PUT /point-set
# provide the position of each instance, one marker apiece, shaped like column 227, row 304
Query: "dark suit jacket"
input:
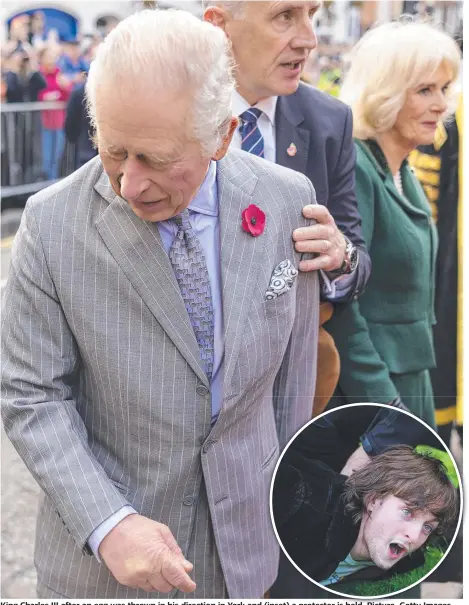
column 333, row 438
column 321, row 129
column 78, row 127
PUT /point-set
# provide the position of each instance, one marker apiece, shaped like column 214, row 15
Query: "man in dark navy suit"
column 299, row 127
column 290, row 123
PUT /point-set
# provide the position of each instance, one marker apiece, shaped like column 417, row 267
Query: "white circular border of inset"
column 461, row 494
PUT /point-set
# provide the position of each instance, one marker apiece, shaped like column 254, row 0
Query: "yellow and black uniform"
column 437, row 167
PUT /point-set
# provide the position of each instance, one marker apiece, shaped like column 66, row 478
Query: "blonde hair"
column 386, row 63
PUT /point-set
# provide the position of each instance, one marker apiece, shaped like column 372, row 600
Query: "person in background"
column 37, row 34
column 18, row 34
column 72, row 64
column 3, row 89
column 439, row 169
column 23, row 83
column 330, row 79
column 58, row 89
column 78, row 128
column 22, row 77
column 400, row 84
column 301, row 128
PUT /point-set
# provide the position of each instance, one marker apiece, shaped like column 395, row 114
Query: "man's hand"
column 356, row 461
column 323, row 239
column 142, row 553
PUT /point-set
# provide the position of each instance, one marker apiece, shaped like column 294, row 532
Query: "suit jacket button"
column 201, row 389
column 208, row 444
column 188, row 500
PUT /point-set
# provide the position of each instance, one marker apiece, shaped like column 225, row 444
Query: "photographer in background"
column 22, row 77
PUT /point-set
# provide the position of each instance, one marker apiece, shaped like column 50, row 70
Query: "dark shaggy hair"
column 418, row 479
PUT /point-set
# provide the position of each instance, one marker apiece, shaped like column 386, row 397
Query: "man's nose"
column 133, row 181
column 306, row 36
column 413, row 531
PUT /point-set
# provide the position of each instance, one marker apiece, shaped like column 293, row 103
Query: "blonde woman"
column 400, row 85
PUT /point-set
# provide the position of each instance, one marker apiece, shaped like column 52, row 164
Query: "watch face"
column 353, row 259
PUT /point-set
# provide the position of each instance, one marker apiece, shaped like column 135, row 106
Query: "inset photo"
column 366, row 501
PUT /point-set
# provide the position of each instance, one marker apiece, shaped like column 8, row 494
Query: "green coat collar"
column 415, row 201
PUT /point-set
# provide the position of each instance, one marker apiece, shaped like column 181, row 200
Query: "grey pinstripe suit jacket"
column 103, row 387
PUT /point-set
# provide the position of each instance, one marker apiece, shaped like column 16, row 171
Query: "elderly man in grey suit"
column 159, row 341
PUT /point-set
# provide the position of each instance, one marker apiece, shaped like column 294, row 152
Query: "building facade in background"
column 339, row 22
column 345, row 21
column 72, row 18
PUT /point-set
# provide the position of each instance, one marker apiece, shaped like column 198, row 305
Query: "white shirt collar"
column 267, row 106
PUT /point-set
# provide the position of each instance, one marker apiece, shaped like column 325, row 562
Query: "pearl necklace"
column 398, row 182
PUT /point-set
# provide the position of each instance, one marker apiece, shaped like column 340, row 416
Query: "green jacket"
column 389, row 330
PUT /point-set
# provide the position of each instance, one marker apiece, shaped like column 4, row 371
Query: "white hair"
column 170, row 50
column 386, row 63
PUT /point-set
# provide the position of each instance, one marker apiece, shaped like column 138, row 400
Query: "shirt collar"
column 205, row 200
column 267, row 106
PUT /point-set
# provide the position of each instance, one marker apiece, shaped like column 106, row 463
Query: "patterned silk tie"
column 188, row 261
column 252, row 140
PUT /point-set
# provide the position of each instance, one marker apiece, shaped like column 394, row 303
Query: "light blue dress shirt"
column 203, row 213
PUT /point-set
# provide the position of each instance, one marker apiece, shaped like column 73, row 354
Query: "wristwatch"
column 350, row 259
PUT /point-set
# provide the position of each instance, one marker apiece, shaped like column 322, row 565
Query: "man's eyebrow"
column 110, row 147
column 150, row 156
column 159, row 158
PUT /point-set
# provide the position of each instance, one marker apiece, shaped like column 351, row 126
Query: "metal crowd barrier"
column 21, row 149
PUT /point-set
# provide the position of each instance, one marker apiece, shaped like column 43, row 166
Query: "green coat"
column 388, row 331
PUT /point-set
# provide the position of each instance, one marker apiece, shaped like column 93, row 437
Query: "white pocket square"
column 282, row 279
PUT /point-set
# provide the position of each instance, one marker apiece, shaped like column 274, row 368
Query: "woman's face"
column 49, row 59
column 423, row 108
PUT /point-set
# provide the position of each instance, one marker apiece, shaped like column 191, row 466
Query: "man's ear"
column 221, row 151
column 216, row 16
column 370, row 503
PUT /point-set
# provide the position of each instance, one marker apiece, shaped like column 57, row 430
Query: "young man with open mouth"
column 367, row 526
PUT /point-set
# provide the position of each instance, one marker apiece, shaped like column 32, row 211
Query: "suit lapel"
column 137, row 248
column 241, row 254
column 402, row 200
column 373, row 152
column 288, row 117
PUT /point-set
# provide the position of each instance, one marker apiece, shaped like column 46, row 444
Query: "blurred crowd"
column 40, row 66
column 326, row 66
column 45, row 68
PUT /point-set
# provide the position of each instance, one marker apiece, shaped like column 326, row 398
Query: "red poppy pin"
column 253, row 220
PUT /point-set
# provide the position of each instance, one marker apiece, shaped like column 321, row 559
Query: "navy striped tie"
column 252, row 140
